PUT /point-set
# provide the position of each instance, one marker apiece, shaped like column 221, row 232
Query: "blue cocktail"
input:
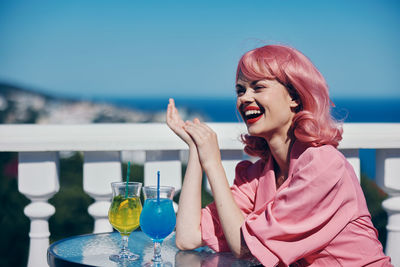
column 157, row 219
column 155, row 212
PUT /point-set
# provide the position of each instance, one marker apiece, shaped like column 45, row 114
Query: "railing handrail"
column 38, row 148
column 135, row 136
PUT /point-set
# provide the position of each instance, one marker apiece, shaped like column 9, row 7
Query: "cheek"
column 280, row 107
column 286, row 114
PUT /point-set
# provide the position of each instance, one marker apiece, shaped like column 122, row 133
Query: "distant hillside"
column 20, row 105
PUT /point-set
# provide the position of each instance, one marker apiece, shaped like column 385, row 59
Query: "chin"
column 253, row 131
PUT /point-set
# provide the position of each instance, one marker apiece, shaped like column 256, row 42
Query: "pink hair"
column 312, row 123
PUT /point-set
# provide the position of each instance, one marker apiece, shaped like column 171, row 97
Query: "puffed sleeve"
column 243, row 191
column 307, row 214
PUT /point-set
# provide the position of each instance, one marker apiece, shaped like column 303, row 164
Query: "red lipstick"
column 252, row 117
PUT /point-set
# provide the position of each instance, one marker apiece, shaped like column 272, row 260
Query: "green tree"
column 374, row 197
column 14, row 225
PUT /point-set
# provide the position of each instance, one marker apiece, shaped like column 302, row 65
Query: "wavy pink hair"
column 312, row 123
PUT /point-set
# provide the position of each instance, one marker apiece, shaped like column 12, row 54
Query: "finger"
column 207, row 133
column 190, row 128
column 169, row 114
column 171, row 105
column 196, row 126
column 208, row 128
column 197, row 132
column 202, row 127
column 169, row 111
column 172, row 112
column 175, row 111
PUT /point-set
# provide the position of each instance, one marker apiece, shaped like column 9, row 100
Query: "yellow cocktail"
column 124, row 214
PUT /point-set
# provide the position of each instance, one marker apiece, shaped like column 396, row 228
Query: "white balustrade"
column 161, row 150
column 100, row 168
column 38, row 181
column 169, row 165
column 230, row 158
column 352, row 156
column 387, row 175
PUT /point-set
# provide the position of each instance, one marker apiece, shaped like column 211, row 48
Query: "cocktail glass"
column 124, row 214
column 157, row 219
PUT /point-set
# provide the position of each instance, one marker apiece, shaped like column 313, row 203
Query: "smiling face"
column 266, row 107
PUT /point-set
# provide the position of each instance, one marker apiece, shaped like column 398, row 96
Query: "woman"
column 301, row 203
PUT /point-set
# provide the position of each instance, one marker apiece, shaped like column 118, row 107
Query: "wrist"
column 192, row 147
column 212, row 166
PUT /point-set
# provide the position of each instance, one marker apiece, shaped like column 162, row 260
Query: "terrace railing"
column 104, row 145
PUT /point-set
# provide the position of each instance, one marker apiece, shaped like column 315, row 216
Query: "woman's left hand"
column 206, row 142
column 230, row 216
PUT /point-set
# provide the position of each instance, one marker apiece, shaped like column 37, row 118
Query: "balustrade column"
column 353, row 157
column 100, row 168
column 229, row 158
column 169, row 164
column 387, row 175
column 38, row 180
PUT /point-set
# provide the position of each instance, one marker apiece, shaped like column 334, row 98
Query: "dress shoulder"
column 325, row 151
column 247, row 170
column 321, row 157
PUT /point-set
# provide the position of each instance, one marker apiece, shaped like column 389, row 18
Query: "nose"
column 246, row 97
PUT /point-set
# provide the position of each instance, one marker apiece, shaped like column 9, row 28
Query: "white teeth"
column 252, row 112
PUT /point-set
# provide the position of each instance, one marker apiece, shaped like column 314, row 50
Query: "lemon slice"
column 123, row 204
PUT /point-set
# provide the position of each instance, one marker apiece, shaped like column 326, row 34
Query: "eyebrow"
column 254, row 82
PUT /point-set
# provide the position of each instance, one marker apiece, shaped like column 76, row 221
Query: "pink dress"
column 317, row 217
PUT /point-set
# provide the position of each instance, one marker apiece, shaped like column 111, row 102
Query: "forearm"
column 188, row 232
column 230, row 216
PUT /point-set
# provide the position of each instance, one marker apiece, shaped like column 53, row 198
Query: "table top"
column 95, row 249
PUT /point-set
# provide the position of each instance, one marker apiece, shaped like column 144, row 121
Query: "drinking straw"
column 158, row 187
column 127, row 178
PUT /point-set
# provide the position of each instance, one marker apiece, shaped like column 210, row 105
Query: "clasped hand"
column 195, row 134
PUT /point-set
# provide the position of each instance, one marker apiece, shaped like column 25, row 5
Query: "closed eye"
column 240, row 90
column 258, row 85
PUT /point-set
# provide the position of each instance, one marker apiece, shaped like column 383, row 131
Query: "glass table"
column 94, row 250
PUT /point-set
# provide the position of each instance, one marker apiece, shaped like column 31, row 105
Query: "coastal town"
column 19, row 105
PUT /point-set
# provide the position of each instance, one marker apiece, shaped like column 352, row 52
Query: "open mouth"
column 252, row 114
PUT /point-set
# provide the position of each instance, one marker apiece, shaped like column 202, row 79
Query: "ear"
column 294, row 99
column 294, row 103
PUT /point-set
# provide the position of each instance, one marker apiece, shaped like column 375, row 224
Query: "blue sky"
column 191, row 48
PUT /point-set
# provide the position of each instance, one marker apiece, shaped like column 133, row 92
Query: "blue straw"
column 158, row 187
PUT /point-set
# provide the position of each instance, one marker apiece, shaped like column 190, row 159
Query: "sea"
column 378, row 110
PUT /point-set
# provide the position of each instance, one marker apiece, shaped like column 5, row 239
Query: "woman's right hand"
column 188, row 231
column 175, row 123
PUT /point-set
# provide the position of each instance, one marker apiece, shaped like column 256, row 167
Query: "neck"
column 280, row 149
